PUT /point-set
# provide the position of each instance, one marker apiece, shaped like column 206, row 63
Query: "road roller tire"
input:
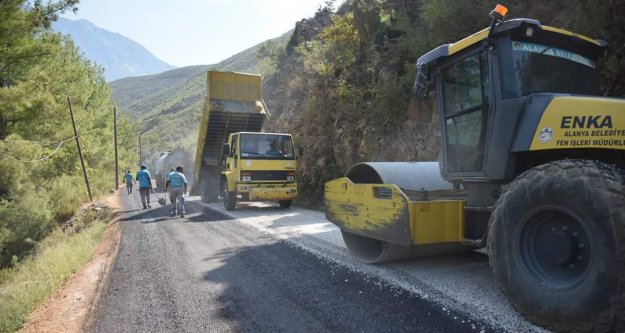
column 285, row 203
column 373, row 251
column 364, row 249
column 230, row 200
column 557, row 246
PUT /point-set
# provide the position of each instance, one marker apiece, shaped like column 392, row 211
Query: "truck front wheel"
column 557, row 245
column 230, row 199
column 285, row 203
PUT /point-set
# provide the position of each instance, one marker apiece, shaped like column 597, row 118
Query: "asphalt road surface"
column 205, row 272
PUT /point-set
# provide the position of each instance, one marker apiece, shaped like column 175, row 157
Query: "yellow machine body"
column 405, row 207
column 260, row 190
column 532, row 167
column 569, row 123
column 255, row 177
column 234, row 109
column 385, row 212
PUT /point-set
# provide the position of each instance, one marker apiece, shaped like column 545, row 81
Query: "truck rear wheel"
column 557, row 245
column 285, row 203
column 208, row 191
column 230, row 199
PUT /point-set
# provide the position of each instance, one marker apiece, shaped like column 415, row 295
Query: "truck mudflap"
column 272, row 193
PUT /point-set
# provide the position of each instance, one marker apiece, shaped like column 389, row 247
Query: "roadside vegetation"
column 44, row 238
column 41, row 181
column 51, row 263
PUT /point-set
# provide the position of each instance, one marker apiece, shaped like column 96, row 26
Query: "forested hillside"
column 168, row 106
column 41, row 182
column 343, row 84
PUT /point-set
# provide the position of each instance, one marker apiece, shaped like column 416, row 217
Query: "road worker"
column 129, row 180
column 177, row 185
column 145, row 185
column 171, row 170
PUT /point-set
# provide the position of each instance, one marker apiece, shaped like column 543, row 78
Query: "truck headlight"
column 290, row 177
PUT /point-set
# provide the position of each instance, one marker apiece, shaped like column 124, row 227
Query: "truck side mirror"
column 226, row 150
column 421, row 81
column 300, row 151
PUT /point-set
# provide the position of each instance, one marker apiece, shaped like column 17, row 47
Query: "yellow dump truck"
column 532, row 167
column 234, row 159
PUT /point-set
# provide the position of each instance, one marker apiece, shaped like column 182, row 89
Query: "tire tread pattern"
column 594, row 174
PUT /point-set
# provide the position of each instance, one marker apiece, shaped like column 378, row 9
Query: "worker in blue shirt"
column 129, row 180
column 177, row 185
column 145, row 185
column 172, row 170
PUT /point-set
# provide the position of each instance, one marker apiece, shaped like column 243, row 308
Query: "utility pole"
column 115, row 139
column 82, row 162
column 140, row 153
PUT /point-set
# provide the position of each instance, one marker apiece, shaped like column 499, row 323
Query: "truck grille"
column 269, row 175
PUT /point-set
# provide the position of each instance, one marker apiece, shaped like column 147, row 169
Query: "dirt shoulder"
column 69, row 308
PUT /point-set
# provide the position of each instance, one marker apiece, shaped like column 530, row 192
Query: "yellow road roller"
column 531, row 166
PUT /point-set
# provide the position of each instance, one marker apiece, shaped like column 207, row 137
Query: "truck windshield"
column 543, row 69
column 266, row 146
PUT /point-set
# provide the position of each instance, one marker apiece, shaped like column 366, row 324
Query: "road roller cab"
column 531, row 167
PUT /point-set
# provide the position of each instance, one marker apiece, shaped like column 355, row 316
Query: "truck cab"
column 258, row 167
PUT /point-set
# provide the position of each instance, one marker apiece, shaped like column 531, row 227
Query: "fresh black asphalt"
column 204, row 273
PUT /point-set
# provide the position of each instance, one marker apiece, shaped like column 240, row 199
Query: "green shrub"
column 64, row 199
column 36, row 278
column 23, row 222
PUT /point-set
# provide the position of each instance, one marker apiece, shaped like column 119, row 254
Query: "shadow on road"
column 195, row 212
column 144, row 214
column 207, row 215
column 160, row 219
column 128, row 211
column 277, row 287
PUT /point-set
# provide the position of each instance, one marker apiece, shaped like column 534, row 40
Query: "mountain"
column 119, row 56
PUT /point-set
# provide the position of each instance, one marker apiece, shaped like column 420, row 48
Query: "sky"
column 196, row 32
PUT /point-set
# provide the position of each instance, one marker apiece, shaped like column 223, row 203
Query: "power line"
column 60, row 144
column 82, row 142
column 38, row 142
